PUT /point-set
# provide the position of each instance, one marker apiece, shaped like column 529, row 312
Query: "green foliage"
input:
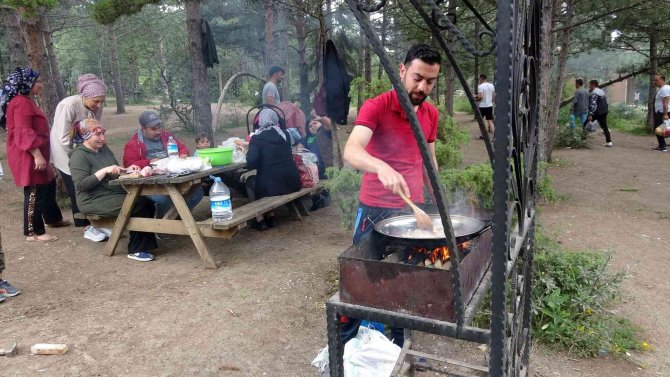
column 451, row 139
column 572, row 292
column 545, row 186
column 462, row 105
column 362, row 90
column 475, row 182
column 627, row 119
column 344, row 185
column 570, row 137
column 572, row 295
column 107, row 11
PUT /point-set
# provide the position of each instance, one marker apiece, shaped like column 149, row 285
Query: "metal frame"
column 514, row 159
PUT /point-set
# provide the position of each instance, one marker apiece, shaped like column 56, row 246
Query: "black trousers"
column 142, row 241
column 39, row 207
column 69, row 187
column 658, row 120
column 602, row 121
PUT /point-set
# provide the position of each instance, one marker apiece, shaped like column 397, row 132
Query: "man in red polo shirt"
column 383, row 146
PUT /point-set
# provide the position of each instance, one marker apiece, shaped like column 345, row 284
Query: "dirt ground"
column 262, row 312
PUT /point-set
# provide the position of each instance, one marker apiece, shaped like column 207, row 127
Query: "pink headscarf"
column 89, row 86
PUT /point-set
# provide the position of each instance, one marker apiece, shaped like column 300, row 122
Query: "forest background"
column 150, row 51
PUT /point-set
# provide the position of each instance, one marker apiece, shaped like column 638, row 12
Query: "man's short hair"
column 594, row 82
column 662, row 77
column 579, row 82
column 426, row 53
column 482, row 76
column 276, row 69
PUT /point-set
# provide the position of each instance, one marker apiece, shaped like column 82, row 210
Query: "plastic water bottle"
column 219, row 199
column 172, row 149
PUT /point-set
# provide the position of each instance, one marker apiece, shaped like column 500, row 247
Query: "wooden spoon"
column 422, row 219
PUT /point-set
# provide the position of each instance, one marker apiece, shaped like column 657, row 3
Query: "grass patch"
column 572, row 296
column 568, row 137
column 462, row 105
column 627, row 119
column 629, row 189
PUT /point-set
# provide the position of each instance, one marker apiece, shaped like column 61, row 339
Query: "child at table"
column 201, row 142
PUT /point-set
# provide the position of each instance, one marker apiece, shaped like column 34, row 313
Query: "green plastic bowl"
column 217, row 156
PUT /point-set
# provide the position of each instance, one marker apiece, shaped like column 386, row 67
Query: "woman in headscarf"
column 28, row 153
column 93, row 165
column 87, row 103
column 270, row 154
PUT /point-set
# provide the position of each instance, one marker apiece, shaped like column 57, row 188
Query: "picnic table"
column 179, row 189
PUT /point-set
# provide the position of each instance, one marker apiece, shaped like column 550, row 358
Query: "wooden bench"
column 208, row 228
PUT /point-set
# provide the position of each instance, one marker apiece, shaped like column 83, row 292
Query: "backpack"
column 601, row 103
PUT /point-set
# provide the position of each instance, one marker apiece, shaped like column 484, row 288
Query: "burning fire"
column 438, row 256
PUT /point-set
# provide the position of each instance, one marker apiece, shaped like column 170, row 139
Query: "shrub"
column 451, row 138
column 568, row 137
column 474, row 181
column 627, row 119
column 462, row 105
column 545, row 185
column 572, row 292
column 344, row 185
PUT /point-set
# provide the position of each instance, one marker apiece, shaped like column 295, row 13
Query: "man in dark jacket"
column 598, row 109
column 149, row 144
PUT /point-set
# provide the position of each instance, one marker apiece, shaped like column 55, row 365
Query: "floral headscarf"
column 20, row 81
column 268, row 120
column 88, row 127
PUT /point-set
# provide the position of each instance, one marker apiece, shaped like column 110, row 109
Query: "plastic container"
column 172, row 148
column 217, row 156
column 219, row 199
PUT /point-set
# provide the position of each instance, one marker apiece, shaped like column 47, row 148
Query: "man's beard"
column 415, row 101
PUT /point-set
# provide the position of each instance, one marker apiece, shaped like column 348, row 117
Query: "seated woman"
column 270, row 154
column 93, row 165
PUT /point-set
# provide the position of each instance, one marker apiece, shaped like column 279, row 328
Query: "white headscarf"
column 268, row 120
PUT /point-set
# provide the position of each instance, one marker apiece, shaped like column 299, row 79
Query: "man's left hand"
column 183, row 155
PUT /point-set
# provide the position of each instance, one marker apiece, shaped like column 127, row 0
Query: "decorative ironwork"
column 514, row 160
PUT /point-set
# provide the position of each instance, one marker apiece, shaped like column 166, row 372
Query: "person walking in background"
column 270, row 93
column 6, row 289
column 486, row 95
column 87, row 103
column 28, row 152
column 636, row 98
column 661, row 104
column 580, row 104
column 598, row 109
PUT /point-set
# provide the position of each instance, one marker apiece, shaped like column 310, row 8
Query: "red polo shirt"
column 393, row 142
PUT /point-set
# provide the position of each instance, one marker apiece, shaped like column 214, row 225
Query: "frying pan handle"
column 481, row 231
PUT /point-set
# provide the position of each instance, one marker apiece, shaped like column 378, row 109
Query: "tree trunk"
column 282, row 43
column 303, row 67
column 653, row 69
column 385, row 25
column 53, row 59
column 39, row 60
column 202, row 109
column 361, row 64
column 449, row 73
column 269, row 51
column 546, row 58
column 555, row 98
column 116, row 72
column 16, row 42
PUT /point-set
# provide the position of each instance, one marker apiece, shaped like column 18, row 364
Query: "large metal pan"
column 404, row 230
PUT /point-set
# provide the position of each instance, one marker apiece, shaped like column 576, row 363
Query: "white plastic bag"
column 369, row 354
column 592, row 126
column 239, row 155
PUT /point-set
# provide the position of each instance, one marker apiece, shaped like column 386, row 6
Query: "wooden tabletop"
column 164, row 179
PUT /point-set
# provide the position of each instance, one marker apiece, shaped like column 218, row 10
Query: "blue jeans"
column 164, row 203
column 366, row 218
column 582, row 117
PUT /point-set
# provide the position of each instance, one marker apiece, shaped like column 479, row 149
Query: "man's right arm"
column 356, row 156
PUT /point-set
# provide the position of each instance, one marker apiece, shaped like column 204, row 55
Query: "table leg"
column 191, row 226
column 122, row 219
column 172, row 212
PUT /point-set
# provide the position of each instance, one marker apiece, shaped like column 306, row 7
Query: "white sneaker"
column 106, row 231
column 609, row 144
column 90, row 233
